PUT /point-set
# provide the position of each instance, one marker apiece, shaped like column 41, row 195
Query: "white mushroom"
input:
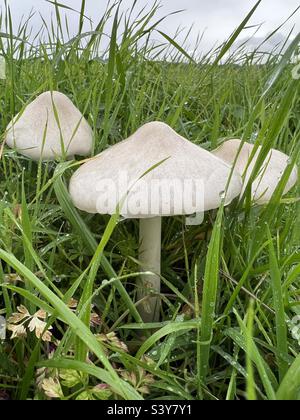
column 49, row 127
column 269, row 174
column 164, row 175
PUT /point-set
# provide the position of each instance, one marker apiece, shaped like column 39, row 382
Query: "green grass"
column 231, row 286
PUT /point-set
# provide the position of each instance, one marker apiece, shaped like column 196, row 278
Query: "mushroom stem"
column 149, row 256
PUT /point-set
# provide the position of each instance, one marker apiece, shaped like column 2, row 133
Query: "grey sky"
column 218, row 18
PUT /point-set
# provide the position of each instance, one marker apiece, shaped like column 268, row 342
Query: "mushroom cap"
column 186, row 179
column 26, row 132
column 269, row 175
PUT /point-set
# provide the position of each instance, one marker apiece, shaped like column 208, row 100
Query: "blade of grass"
column 113, row 48
column 278, row 302
column 172, row 327
column 267, row 377
column 177, row 46
column 251, row 393
column 235, row 35
column 81, row 348
column 290, row 386
column 210, row 287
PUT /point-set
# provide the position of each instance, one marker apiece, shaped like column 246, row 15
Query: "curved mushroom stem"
column 149, row 256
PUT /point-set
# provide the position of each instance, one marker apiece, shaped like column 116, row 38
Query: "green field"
column 230, row 319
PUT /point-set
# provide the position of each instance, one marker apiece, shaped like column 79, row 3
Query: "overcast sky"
column 217, row 18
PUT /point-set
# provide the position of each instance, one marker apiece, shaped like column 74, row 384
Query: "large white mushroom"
column 50, row 127
column 269, row 175
column 164, row 175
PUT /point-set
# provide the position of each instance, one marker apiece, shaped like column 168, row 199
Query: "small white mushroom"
column 183, row 179
column 50, row 127
column 269, row 174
